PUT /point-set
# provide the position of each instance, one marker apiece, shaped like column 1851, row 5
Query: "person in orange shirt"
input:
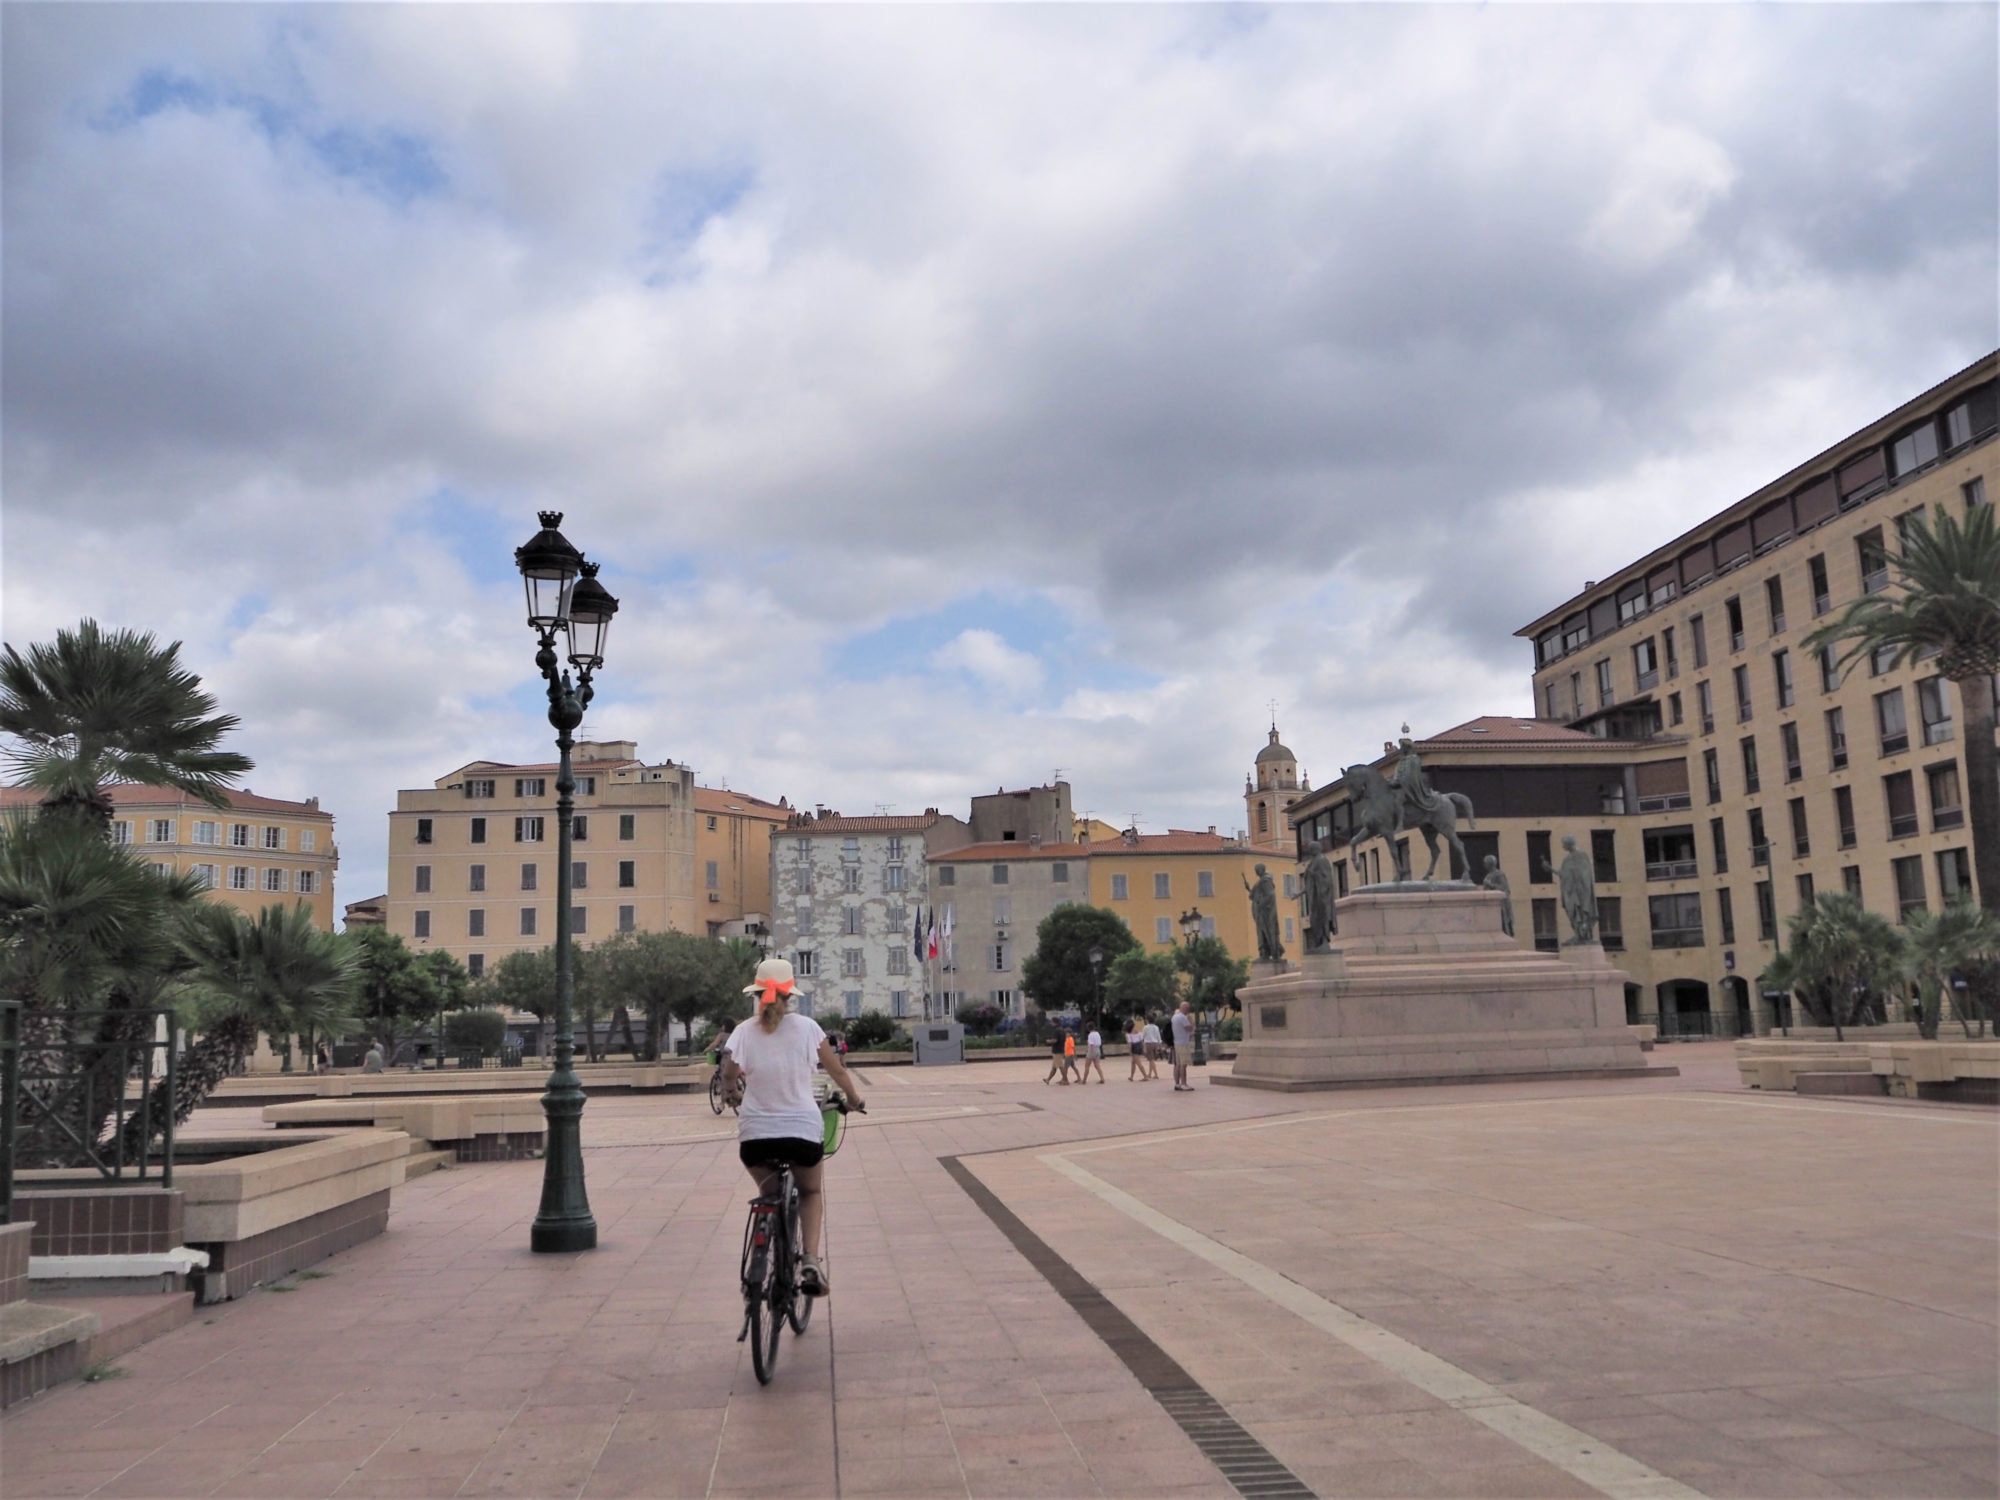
column 1069, row 1056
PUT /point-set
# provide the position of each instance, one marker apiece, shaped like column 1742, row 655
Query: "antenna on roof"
column 1055, row 776
column 1134, row 823
column 882, row 809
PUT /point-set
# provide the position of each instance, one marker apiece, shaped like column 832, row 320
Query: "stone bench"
column 473, row 1128
column 1778, row 1073
column 1953, row 1071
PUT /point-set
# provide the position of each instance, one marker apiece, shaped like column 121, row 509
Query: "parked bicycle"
column 772, row 1292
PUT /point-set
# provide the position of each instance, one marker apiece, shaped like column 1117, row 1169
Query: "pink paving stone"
column 1574, row 1244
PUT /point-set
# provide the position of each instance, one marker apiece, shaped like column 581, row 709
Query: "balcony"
column 1840, row 756
column 1895, row 744
column 1801, row 848
column 1874, row 583
column 1937, row 731
column 1673, row 869
column 1947, row 817
column 1903, row 826
column 1708, row 723
column 1677, row 937
column 1821, row 604
column 1649, row 680
column 1670, row 802
column 1847, row 836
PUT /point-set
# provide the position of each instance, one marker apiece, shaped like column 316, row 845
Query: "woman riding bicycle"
column 768, row 1065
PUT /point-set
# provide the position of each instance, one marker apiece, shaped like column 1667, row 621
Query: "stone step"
column 124, row 1323
column 421, row 1161
column 1866, row 1085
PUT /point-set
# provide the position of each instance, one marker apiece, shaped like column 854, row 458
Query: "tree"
column 1838, row 956
column 1943, row 947
column 87, row 946
column 483, row 1028
column 1213, row 976
column 871, row 1030
column 981, row 1017
column 524, row 980
column 1944, row 599
column 275, row 973
column 1058, row 975
column 674, row 976
column 396, row 986
column 1139, row 983
column 102, row 706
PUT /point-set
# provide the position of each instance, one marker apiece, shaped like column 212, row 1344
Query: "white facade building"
column 845, row 893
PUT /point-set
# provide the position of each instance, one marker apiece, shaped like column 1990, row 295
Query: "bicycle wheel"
column 767, row 1320
column 798, row 1306
column 715, row 1091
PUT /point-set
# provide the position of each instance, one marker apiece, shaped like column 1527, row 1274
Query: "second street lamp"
column 564, row 600
column 1190, row 930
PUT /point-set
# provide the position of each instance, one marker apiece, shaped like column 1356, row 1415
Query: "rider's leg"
column 812, row 1206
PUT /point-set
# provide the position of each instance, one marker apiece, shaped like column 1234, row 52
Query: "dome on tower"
column 1274, row 751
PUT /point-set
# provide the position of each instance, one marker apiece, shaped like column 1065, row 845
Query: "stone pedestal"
column 1423, row 987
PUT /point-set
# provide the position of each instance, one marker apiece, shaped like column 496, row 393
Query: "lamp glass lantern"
column 549, row 566
column 590, row 610
column 1191, row 923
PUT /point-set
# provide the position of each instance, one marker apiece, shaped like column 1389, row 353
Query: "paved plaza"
column 1660, row 1288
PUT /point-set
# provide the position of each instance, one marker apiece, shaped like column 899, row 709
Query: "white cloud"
column 1298, row 353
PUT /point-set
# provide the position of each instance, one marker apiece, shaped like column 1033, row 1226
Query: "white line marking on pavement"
column 1575, row 1452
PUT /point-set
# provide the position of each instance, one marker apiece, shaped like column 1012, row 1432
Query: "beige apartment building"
column 259, row 851
column 472, row 857
column 1719, row 773
column 732, row 840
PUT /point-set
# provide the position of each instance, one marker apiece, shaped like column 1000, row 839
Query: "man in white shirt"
column 1183, row 1023
column 1150, row 1039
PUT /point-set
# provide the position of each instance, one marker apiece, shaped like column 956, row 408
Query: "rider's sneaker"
column 812, row 1277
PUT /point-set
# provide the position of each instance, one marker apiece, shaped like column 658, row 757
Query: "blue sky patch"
column 1028, row 622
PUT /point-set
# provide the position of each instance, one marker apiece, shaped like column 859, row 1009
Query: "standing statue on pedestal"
column 1496, row 881
column 1386, row 805
column 1577, row 879
column 1264, row 911
column 1319, row 886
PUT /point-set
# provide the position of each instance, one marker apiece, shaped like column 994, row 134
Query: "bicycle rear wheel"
column 715, row 1091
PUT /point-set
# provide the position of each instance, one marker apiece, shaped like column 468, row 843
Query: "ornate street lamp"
column 1096, row 957
column 564, row 599
column 1190, row 930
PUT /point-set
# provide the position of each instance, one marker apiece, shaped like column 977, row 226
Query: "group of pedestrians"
column 1144, row 1042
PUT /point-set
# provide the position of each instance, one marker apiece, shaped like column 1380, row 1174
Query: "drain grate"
column 1247, row 1464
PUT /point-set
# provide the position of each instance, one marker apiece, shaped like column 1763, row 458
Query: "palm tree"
column 102, row 706
column 1945, row 947
column 1946, row 601
column 1839, row 954
column 276, row 973
column 85, row 944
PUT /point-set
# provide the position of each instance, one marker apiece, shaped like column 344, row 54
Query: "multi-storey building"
column 471, row 858
column 845, row 895
column 258, row 851
column 732, row 840
column 369, row 911
column 1152, row 880
column 997, row 893
column 1737, row 774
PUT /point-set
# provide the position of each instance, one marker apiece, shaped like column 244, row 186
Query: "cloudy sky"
column 951, row 395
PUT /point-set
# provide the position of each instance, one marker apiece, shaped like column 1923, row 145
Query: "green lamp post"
column 564, row 600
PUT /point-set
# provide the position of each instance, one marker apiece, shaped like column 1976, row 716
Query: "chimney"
column 1211, row 830
column 1034, row 841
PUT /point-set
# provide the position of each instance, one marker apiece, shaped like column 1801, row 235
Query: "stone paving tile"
column 1586, row 1254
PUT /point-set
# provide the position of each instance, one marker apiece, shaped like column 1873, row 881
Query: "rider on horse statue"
column 1415, row 800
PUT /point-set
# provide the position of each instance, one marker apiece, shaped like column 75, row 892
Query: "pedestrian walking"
column 1058, row 1062
column 1183, row 1024
column 1093, row 1056
column 1135, row 1048
column 1151, row 1039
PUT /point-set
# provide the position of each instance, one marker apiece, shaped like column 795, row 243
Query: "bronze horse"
column 1379, row 814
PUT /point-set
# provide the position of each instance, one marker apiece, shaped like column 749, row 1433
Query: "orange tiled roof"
column 1176, row 841
column 1002, row 850
column 832, row 823
column 125, row 795
column 716, row 799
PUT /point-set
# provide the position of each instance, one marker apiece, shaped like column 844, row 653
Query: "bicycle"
column 716, row 1096
column 772, row 1295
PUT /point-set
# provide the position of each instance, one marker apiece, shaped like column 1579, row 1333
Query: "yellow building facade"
column 733, row 856
column 257, row 852
column 1152, row 880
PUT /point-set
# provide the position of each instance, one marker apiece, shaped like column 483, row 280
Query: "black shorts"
column 781, row 1150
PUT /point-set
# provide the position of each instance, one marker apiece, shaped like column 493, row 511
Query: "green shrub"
column 1229, row 1029
column 981, row 1018
column 871, row 1031
column 484, row 1029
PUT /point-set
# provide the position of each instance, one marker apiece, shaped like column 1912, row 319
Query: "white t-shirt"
column 1094, row 1040
column 1151, row 1034
column 778, row 1067
column 1183, row 1029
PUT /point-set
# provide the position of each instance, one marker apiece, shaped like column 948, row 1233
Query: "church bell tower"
column 1269, row 791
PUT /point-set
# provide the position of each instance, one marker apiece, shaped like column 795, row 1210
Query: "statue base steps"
column 1424, row 987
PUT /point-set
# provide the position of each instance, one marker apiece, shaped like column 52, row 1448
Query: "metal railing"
column 1677, row 937
column 1696, row 1025
column 85, row 1089
column 1672, row 869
